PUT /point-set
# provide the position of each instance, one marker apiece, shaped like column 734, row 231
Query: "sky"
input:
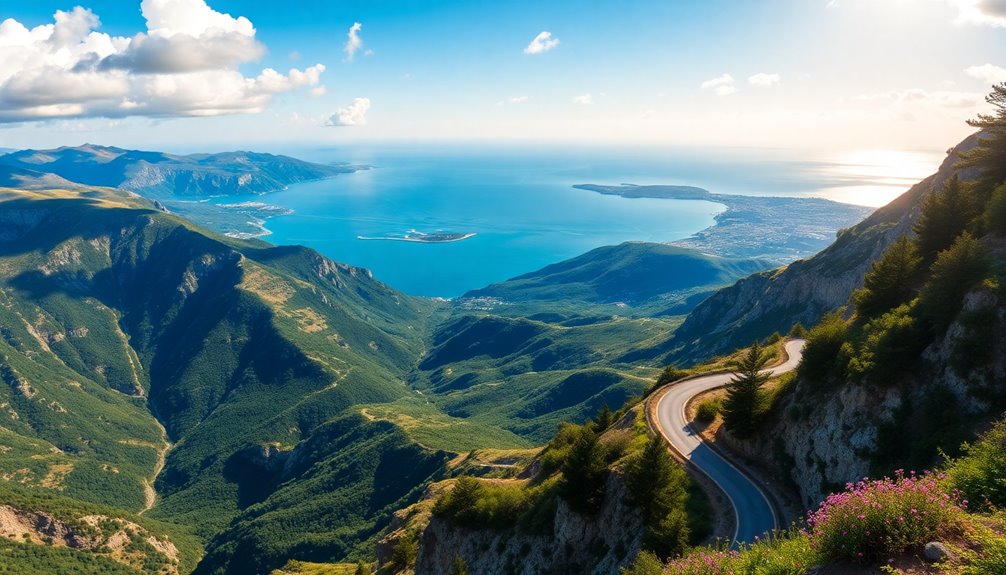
column 833, row 75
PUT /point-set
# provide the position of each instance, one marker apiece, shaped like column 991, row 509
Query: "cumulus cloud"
column 354, row 114
column 353, row 41
column 184, row 64
column 542, row 43
column 764, row 80
column 982, row 12
column 583, row 100
column 987, row 73
column 721, row 85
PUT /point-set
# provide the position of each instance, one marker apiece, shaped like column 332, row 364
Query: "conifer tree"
column 890, row 281
column 584, row 473
column 944, row 215
column 657, row 485
column 459, row 567
column 990, row 154
column 603, row 420
column 740, row 408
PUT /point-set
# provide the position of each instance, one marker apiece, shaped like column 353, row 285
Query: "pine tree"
column 955, row 271
column 657, row 485
column 990, row 154
column 603, row 420
column 944, row 215
column 740, row 408
column 890, row 280
column 584, row 473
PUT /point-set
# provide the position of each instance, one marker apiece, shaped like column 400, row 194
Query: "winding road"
column 754, row 515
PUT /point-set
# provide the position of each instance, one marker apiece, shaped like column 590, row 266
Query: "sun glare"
column 875, row 177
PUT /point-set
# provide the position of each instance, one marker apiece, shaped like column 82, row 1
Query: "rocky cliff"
column 598, row 544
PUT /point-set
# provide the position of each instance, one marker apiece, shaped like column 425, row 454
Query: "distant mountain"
column 803, row 291
column 163, row 176
column 631, row 273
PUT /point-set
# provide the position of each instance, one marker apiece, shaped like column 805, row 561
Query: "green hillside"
column 632, row 273
column 249, row 355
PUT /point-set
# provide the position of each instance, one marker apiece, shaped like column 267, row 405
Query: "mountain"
column 632, row 273
column 803, row 291
column 11, row 177
column 163, row 176
column 134, row 340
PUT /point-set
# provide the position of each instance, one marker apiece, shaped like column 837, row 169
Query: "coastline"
column 419, row 240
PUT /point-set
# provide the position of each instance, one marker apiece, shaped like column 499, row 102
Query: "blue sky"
column 828, row 74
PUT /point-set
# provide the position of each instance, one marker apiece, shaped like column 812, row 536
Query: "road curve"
column 755, row 515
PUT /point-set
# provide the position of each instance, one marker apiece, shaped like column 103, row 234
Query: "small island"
column 437, row 237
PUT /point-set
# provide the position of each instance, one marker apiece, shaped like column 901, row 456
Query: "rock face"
column 804, row 291
column 576, row 544
column 825, row 438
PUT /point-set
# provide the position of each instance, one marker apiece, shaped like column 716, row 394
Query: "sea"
column 521, row 206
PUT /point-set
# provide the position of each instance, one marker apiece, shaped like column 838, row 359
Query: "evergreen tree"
column 944, row 215
column 990, row 154
column 603, row 420
column 740, row 408
column 995, row 212
column 658, row 486
column 459, row 504
column 889, row 282
column 459, row 567
column 584, row 473
column 955, row 271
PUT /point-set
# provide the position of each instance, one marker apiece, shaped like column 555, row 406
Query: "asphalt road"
column 754, row 514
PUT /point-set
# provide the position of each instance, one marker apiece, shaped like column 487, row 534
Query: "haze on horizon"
column 827, row 75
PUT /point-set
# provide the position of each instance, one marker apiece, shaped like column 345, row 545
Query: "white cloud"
column 353, row 41
column 354, row 114
column 721, row 85
column 987, row 73
column 184, row 64
column 764, row 80
column 542, row 43
column 318, row 91
column 583, row 100
column 983, row 12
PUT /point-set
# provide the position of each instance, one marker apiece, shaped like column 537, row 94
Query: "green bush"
column 707, row 410
column 890, row 345
column 822, row 357
column 980, row 474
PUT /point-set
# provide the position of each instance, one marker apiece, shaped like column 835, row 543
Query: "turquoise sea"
column 520, row 203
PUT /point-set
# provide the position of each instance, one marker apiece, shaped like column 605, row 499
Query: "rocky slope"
column 596, row 545
column 803, row 291
column 821, row 439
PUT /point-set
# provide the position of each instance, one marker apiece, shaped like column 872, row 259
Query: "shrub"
column 980, row 474
column 891, row 345
column 787, row 553
column 989, row 558
column 822, row 357
column 707, row 410
column 645, row 563
column 872, row 520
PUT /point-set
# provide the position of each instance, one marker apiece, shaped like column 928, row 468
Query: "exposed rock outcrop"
column 597, row 544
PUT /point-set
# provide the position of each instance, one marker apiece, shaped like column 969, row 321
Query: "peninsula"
column 438, row 237
column 776, row 229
